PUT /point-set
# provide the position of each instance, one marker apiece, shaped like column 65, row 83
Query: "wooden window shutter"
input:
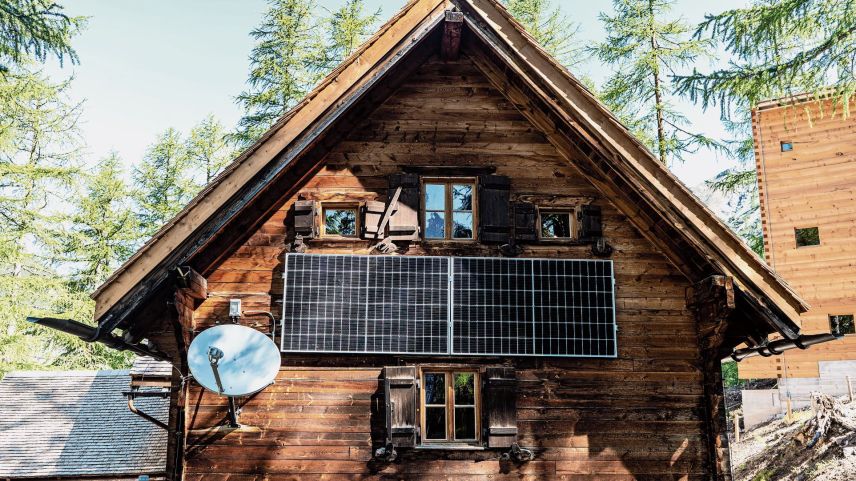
column 404, row 221
column 590, row 223
column 304, row 219
column 525, row 221
column 494, row 220
column 402, row 398
column 500, row 401
column 372, row 213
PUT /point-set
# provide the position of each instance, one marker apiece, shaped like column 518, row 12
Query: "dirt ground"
column 778, row 451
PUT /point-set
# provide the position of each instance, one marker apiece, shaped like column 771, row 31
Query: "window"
column 842, row 325
column 339, row 221
column 787, row 146
column 556, row 224
column 810, row 236
column 448, row 209
column 450, row 406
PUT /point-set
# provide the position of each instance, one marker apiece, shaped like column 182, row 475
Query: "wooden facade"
column 811, row 185
column 456, row 90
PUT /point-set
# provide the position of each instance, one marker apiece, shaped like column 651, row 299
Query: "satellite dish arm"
column 214, row 356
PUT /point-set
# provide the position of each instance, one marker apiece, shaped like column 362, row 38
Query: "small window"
column 449, row 209
column 450, row 407
column 842, row 325
column 787, row 146
column 556, row 224
column 809, row 236
column 339, row 221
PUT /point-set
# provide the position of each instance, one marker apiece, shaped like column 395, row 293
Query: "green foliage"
column 207, row 149
column 347, row 27
column 103, row 229
column 645, row 49
column 163, row 182
column 34, row 29
column 730, row 376
column 550, row 28
column 778, row 48
column 284, row 66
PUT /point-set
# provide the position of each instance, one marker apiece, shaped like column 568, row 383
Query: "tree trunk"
column 658, row 94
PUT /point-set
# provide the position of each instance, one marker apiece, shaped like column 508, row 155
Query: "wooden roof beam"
column 450, row 44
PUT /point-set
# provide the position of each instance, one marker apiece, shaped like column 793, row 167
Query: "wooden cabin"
column 541, row 299
column 805, row 153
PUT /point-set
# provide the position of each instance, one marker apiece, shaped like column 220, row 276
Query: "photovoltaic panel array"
column 366, row 304
column 533, row 307
column 444, row 305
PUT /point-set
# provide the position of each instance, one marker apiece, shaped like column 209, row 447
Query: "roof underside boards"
column 665, row 211
column 63, row 424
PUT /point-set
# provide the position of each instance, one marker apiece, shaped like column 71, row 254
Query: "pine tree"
column 103, row 229
column 550, row 28
column 284, row 66
column 207, row 149
column 34, row 29
column 778, row 48
column 347, row 28
column 646, row 49
column 163, row 182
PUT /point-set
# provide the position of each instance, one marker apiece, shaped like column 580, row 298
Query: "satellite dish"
column 233, row 360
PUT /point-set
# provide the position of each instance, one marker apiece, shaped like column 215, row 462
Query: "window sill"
column 451, row 447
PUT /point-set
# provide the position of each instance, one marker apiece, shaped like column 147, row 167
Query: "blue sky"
column 149, row 65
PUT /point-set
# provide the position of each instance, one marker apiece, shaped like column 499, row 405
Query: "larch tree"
column 33, row 30
column 283, row 66
column 646, row 49
column 347, row 28
column 550, row 28
column 163, row 182
column 207, row 149
column 778, row 48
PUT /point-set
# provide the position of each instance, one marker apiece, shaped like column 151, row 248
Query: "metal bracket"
column 518, row 454
column 386, row 453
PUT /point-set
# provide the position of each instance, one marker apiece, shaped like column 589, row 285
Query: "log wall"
column 814, row 185
column 640, row 416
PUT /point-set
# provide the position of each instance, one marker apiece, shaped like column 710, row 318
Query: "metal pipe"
column 93, row 334
column 779, row 346
column 269, row 315
column 148, row 417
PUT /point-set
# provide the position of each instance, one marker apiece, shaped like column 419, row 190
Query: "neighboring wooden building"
column 451, row 133
column 806, row 159
column 75, row 426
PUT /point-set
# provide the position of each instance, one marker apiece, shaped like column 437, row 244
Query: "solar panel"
column 444, row 305
column 533, row 307
column 366, row 304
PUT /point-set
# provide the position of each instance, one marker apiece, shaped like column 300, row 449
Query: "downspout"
column 131, row 395
column 94, row 334
column 779, row 346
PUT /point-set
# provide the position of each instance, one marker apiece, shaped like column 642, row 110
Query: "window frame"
column 830, row 316
column 796, row 237
column 572, row 226
column 448, row 208
column 322, row 221
column 450, row 442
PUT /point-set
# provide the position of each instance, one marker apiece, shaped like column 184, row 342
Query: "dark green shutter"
column 525, row 221
column 404, row 221
column 304, row 219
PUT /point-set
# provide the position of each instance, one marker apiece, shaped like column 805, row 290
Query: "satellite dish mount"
column 232, row 360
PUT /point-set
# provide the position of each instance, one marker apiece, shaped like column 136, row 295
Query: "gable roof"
column 620, row 165
column 77, row 423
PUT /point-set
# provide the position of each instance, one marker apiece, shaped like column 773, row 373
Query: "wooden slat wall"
column 636, row 417
column 814, row 185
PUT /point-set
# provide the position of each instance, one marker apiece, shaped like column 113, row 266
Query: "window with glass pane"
column 340, row 221
column 842, row 325
column 449, row 210
column 556, row 224
column 450, row 407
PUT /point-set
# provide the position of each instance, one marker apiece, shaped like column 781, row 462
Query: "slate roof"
column 146, row 367
column 76, row 423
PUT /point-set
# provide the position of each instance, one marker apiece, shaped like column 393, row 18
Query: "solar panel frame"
column 544, row 328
